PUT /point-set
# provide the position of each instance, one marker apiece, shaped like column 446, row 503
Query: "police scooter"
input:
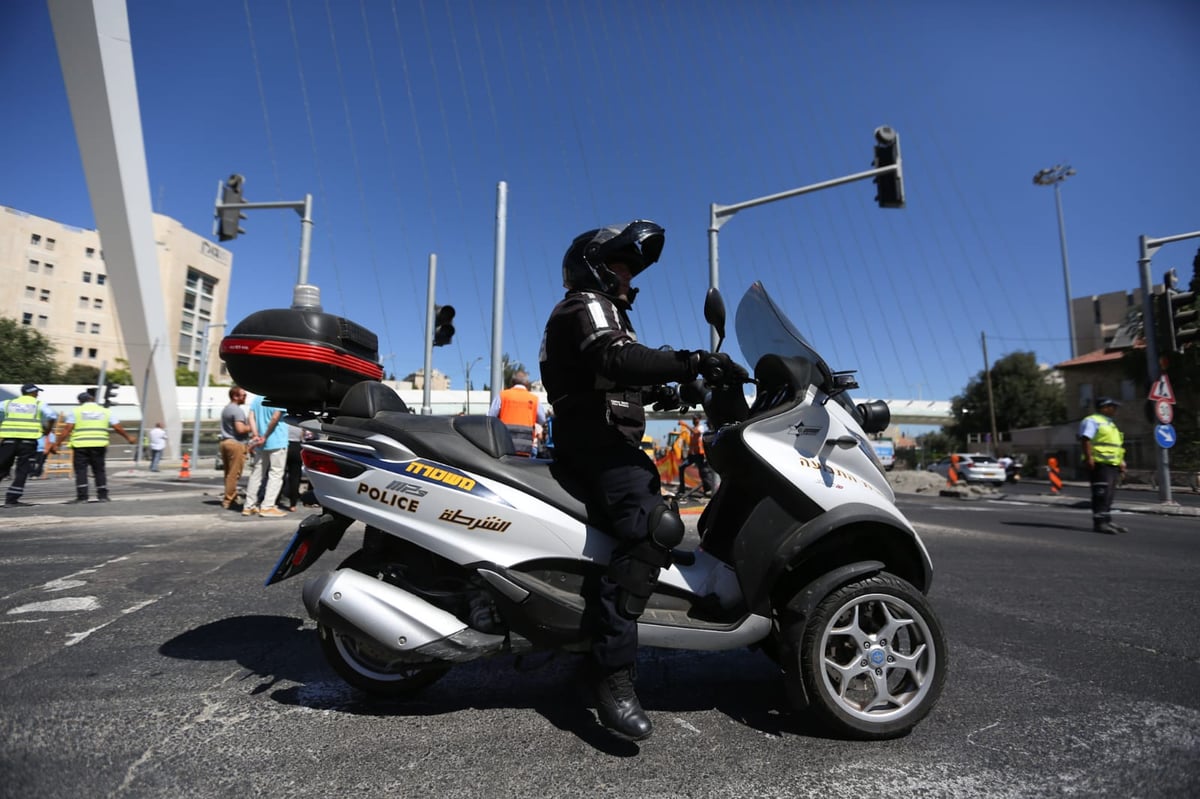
column 468, row 551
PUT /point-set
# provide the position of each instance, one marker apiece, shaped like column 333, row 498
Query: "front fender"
column 773, row 546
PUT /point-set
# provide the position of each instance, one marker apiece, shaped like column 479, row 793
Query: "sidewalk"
column 1124, row 501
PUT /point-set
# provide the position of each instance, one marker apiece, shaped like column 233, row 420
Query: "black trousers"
column 701, row 464
column 90, row 458
column 1103, row 478
column 623, row 489
column 291, row 475
column 23, row 453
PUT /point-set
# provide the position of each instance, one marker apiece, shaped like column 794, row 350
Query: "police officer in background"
column 521, row 413
column 597, row 377
column 1104, row 453
column 87, row 433
column 26, row 420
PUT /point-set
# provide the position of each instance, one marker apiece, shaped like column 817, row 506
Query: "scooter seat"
column 479, row 444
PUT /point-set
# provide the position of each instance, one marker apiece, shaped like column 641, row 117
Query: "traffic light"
column 110, row 393
column 1177, row 315
column 889, row 187
column 231, row 218
column 443, row 325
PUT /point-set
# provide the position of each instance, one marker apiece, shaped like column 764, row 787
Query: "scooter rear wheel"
column 366, row 665
column 872, row 658
column 372, row 669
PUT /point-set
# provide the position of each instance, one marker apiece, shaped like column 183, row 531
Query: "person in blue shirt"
column 268, row 432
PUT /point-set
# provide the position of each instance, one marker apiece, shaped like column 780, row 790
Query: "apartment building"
column 56, row 282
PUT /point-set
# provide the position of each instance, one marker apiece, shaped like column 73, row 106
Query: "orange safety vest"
column 518, row 406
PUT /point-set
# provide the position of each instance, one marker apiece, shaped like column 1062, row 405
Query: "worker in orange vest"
column 520, row 411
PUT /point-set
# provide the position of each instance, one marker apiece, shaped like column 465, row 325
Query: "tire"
column 369, row 667
column 872, row 658
column 372, row 669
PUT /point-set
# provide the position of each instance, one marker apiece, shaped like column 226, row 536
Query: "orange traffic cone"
column 185, row 470
column 952, row 475
column 1055, row 477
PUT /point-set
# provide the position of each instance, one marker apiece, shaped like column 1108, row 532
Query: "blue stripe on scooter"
column 427, row 471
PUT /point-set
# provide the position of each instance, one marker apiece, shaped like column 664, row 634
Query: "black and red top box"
column 300, row 358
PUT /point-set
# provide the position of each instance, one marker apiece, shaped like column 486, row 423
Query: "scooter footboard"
column 372, row 610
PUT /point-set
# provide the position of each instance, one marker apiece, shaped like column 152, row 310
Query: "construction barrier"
column 952, row 475
column 1054, row 474
column 185, row 469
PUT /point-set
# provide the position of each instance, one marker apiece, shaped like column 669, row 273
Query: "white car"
column 973, row 467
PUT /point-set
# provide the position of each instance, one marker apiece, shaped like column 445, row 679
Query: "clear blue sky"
column 401, row 118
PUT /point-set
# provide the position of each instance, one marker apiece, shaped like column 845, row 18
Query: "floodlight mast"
column 890, row 195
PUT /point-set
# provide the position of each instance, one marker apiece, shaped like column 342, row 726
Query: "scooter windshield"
column 763, row 329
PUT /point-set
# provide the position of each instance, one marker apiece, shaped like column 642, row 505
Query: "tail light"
column 325, row 463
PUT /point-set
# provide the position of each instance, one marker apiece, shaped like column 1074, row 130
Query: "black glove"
column 718, row 368
column 665, row 398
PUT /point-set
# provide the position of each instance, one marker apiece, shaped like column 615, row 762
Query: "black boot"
column 617, row 704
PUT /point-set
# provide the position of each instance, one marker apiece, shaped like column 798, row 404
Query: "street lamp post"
column 1053, row 177
column 472, row 363
column 201, row 384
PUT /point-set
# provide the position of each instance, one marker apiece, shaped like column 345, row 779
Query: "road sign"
column 1164, row 411
column 1164, row 434
column 1161, row 390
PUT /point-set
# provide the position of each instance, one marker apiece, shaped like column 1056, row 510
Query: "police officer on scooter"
column 597, row 377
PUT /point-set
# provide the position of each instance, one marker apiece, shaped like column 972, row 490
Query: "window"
column 27, row 318
column 43, row 321
column 1085, row 395
column 87, row 277
column 81, row 327
column 34, row 265
column 48, row 269
column 49, row 243
column 78, row 352
column 95, row 328
column 30, row 292
column 90, row 252
column 83, row 302
column 35, row 240
column 100, row 279
column 92, row 353
column 98, row 303
column 45, row 295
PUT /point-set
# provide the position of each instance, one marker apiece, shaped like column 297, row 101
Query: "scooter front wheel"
column 872, row 658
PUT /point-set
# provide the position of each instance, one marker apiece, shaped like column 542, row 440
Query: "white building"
column 55, row 281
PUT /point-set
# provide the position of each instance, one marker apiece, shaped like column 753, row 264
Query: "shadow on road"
column 741, row 684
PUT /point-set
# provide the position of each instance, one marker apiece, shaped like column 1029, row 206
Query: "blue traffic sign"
column 1164, row 434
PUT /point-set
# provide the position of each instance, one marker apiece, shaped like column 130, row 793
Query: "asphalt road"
column 141, row 656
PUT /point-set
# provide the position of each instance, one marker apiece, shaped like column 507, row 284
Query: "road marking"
column 58, row 584
column 74, row 638
column 66, row 604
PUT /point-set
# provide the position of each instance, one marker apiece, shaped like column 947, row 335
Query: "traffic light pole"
column 718, row 215
column 427, row 388
column 304, row 295
column 1146, row 248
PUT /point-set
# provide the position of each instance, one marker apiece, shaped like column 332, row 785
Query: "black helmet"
column 585, row 264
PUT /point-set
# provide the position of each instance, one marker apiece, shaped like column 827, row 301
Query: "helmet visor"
column 638, row 245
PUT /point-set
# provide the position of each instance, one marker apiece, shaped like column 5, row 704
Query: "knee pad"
column 635, row 568
column 664, row 528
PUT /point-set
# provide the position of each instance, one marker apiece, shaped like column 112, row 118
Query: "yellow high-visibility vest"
column 91, row 426
column 22, row 418
column 1108, row 445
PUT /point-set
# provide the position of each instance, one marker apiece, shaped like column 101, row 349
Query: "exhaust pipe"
column 372, row 610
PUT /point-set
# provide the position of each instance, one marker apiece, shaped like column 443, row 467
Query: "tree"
column 1022, row 394
column 120, row 375
column 186, row 377
column 81, row 373
column 508, row 368
column 26, row 356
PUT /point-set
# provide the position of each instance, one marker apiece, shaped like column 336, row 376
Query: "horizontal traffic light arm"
column 722, row 213
column 297, row 206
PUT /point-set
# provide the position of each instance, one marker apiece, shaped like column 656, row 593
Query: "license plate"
column 316, row 535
